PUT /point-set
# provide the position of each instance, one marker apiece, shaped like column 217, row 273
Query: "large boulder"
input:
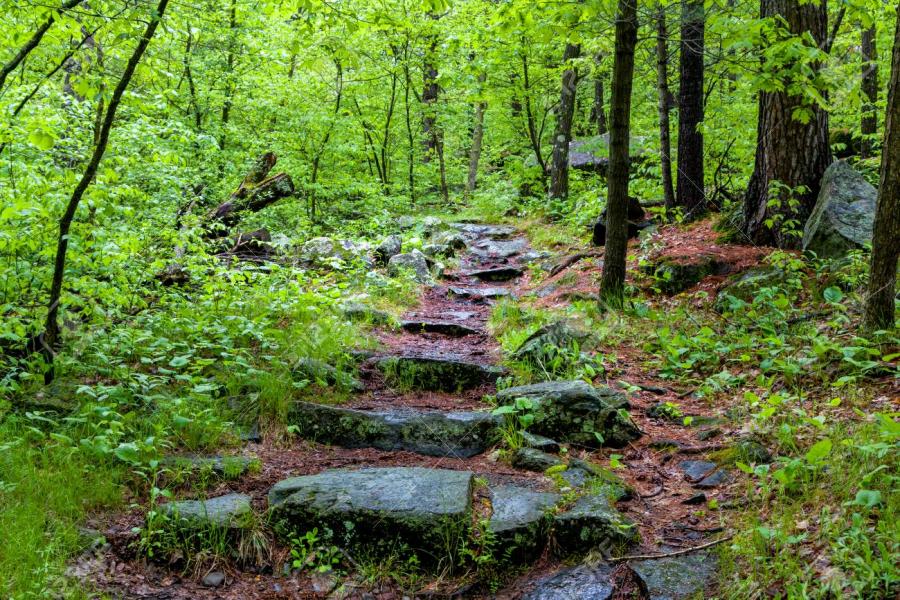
column 459, row 434
column 389, row 247
column 844, row 214
column 576, row 412
column 430, row 510
column 635, row 218
column 414, row 261
column 320, row 249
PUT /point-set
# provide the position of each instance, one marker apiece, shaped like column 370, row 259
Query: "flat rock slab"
column 591, row 523
column 583, row 582
column 695, row 470
column 496, row 274
column 575, row 411
column 437, row 374
column 677, row 577
column 485, row 293
column 714, row 479
column 429, row 509
column 539, row 442
column 520, row 520
column 443, row 327
column 499, row 249
column 230, row 512
column 460, row 434
column 496, row 232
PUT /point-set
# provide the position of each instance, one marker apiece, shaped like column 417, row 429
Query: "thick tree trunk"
column 879, row 313
column 664, row 104
column 256, row 192
column 788, row 151
column 50, row 338
column 598, row 110
column 612, row 285
column 690, row 190
column 869, row 116
column 33, row 41
column 559, row 166
column 477, row 138
column 430, row 93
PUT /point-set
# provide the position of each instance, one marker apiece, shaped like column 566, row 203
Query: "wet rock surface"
column 576, row 583
column 844, row 215
column 437, row 373
column 677, row 577
column 520, row 519
column 230, row 512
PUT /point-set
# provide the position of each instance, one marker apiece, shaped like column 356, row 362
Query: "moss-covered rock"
column 458, row 434
column 576, row 412
column 592, row 523
column 674, row 275
column 231, row 511
column 434, row 373
column 520, row 521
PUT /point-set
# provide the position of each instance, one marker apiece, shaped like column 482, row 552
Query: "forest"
column 395, row 299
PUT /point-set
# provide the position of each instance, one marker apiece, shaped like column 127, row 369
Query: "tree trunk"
column 477, row 137
column 879, row 313
column 690, row 191
column 229, row 75
column 869, row 117
column 598, row 111
column 410, row 137
column 33, row 41
column 51, row 329
column 534, row 136
column 789, row 152
column 559, row 166
column 612, row 285
column 664, row 104
column 430, row 93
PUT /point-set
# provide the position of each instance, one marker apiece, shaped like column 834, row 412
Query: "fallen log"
column 256, row 192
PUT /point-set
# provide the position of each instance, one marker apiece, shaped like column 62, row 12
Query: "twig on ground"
column 571, row 260
column 668, row 554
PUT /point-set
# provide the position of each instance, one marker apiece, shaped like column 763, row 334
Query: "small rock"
column 752, row 452
column 592, row 523
column 519, row 519
column 708, row 434
column 442, row 327
column 214, row 579
column 230, row 511
column 559, row 334
column 530, row 459
column 357, row 311
column 539, row 442
column 413, row 261
column 695, row 499
column 584, row 582
column 497, row 274
column 677, row 577
column 717, row 478
column 480, row 293
column 695, row 470
column 437, row 373
column 389, row 247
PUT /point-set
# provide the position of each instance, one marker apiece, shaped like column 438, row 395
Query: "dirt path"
column 450, row 323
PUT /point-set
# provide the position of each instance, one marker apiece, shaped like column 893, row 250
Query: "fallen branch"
column 571, row 260
column 669, row 554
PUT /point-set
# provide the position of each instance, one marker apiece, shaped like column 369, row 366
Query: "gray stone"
column 320, row 249
column 591, row 523
column 432, row 225
column 530, row 459
column 413, row 261
column 575, row 411
column 674, row 275
column 695, row 470
column 499, row 249
column 359, row 312
column 496, row 232
column 428, row 509
column 214, row 579
column 231, row 511
column 457, row 434
column 436, row 373
column 583, row 582
column 389, row 247
column 744, row 286
column 520, row 520
column 559, row 334
column 677, row 577
column 539, row 442
column 844, row 214
column 714, row 479
column 451, row 239
column 480, row 293
column 751, row 451
column 226, row 467
column 496, row 273
column 442, row 327
column 436, row 250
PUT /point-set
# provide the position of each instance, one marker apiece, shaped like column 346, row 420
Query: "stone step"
column 496, row 273
column 459, row 434
column 478, row 230
column 437, row 373
column 499, row 249
column 486, row 293
column 520, row 521
column 576, row 412
column 430, row 510
column 442, row 327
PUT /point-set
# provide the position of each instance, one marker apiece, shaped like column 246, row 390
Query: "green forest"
column 395, row 299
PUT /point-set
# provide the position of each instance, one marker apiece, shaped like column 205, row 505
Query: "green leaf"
column 867, row 498
column 41, row 139
column 833, row 295
column 818, row 451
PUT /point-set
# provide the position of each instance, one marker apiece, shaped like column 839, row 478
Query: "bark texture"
column 598, row 108
column 869, row 116
column 664, row 105
column 477, row 138
column 788, row 151
column 879, row 311
column 559, row 165
column 612, row 284
column 690, row 191
column 256, row 192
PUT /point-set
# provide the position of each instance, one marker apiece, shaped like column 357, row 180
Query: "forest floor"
column 673, row 511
